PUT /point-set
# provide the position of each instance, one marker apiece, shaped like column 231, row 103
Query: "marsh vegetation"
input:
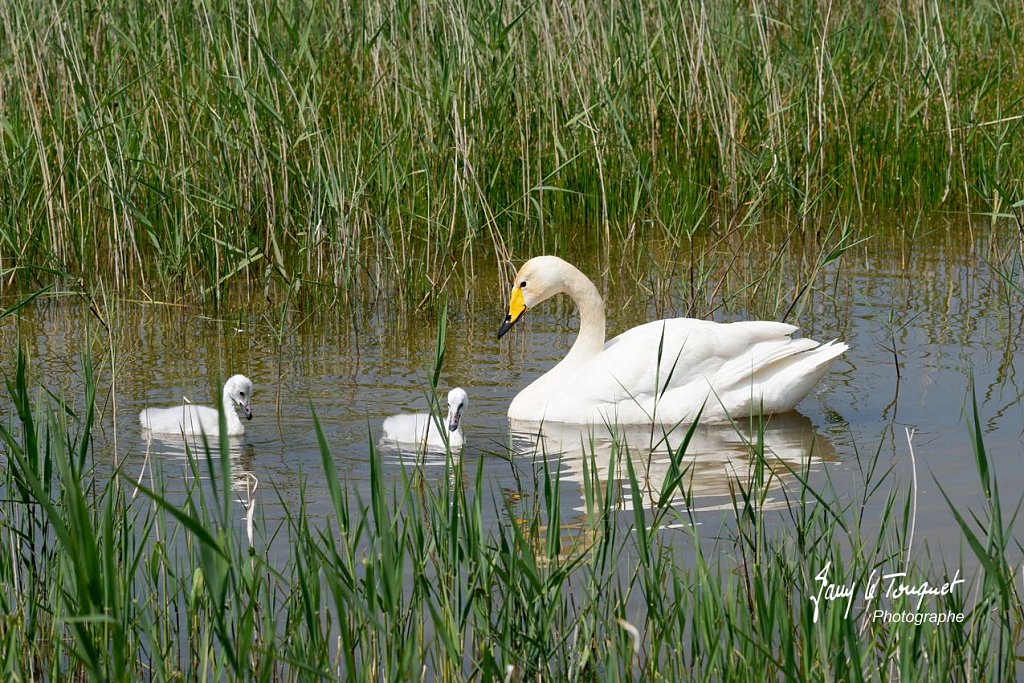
column 323, row 196
column 359, row 150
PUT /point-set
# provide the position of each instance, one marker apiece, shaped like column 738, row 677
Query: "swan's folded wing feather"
column 692, row 353
column 747, row 367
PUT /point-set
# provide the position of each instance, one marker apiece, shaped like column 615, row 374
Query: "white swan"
column 732, row 369
column 192, row 420
column 421, row 429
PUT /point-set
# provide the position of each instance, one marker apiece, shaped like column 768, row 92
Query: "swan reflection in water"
column 719, row 462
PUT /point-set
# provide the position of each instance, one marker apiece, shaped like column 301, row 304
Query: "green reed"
column 186, row 148
column 109, row 578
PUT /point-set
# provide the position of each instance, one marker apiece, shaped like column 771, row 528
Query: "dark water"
column 938, row 311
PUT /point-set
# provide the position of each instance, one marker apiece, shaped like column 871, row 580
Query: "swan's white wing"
column 629, row 381
column 690, row 350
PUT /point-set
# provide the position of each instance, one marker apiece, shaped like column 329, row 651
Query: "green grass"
column 113, row 578
column 180, row 149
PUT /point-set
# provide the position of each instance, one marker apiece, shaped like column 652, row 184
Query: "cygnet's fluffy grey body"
column 421, row 429
column 192, row 420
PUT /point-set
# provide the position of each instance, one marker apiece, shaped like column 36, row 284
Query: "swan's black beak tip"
column 506, row 326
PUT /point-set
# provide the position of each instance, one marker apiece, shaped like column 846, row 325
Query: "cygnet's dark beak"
column 454, row 416
column 248, row 412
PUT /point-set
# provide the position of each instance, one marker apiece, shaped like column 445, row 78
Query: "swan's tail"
column 787, row 381
column 776, row 378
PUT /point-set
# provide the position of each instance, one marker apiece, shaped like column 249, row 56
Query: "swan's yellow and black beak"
column 516, row 308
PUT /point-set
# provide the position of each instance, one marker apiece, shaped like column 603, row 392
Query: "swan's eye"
column 522, row 285
column 242, row 394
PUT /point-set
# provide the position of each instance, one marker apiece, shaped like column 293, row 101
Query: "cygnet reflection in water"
column 171, row 450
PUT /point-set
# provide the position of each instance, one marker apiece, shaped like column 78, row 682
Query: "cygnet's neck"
column 590, row 340
column 231, row 418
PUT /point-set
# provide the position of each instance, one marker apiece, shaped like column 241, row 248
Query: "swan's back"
column 735, row 369
column 188, row 419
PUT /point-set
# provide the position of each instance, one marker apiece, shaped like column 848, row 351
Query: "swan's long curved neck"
column 590, row 340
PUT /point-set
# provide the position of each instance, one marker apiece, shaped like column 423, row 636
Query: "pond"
column 921, row 325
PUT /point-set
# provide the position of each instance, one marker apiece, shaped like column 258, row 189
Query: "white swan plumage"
column 192, row 420
column 421, row 429
column 663, row 371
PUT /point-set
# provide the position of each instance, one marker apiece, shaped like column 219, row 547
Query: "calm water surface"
column 939, row 311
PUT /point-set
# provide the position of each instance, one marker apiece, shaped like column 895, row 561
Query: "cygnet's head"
column 457, row 402
column 239, row 390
